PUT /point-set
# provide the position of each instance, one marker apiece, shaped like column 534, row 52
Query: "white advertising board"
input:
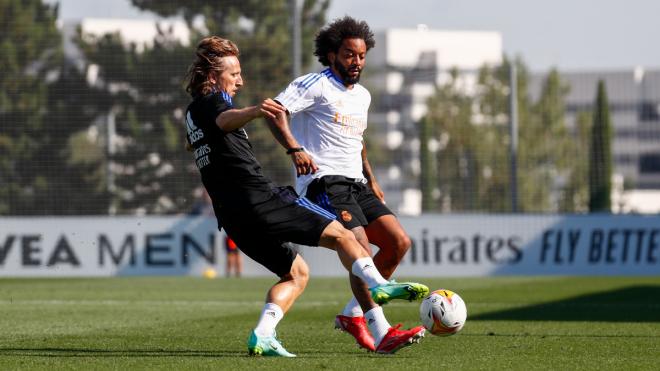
column 443, row 245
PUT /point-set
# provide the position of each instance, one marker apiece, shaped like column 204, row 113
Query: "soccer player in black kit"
column 260, row 216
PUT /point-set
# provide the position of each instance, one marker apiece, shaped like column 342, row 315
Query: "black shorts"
column 262, row 231
column 351, row 200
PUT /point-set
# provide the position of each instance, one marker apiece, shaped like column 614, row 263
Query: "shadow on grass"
column 91, row 352
column 629, row 304
column 543, row 336
column 82, row 352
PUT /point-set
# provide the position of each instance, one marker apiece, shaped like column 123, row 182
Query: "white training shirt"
column 328, row 120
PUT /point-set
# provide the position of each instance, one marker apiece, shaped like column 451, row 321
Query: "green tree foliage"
column 428, row 174
column 547, row 151
column 446, row 125
column 43, row 102
column 576, row 193
column 153, row 172
column 600, row 162
column 262, row 31
column 71, row 160
column 472, row 172
column 29, row 44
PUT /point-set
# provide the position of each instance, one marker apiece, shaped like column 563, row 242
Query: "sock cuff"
column 360, row 264
column 375, row 311
column 353, row 309
column 365, row 268
column 279, row 313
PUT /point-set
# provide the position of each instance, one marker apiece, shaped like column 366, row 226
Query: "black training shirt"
column 230, row 172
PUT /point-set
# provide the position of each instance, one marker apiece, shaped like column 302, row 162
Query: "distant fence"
column 457, row 245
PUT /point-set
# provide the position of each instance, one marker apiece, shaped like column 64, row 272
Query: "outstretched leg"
column 279, row 299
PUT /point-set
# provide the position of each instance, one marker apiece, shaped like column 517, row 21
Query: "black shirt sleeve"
column 213, row 105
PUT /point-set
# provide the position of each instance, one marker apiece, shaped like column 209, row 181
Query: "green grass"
column 191, row 323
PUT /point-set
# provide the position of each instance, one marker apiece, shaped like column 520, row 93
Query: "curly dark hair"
column 329, row 38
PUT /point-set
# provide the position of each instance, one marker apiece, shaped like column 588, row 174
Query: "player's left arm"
column 369, row 175
column 279, row 127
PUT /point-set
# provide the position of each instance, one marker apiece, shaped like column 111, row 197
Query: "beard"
column 343, row 73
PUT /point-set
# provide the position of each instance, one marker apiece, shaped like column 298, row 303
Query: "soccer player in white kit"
column 259, row 215
column 328, row 113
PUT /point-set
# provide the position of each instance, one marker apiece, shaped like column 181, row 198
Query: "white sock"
column 377, row 324
column 366, row 270
column 353, row 309
column 270, row 317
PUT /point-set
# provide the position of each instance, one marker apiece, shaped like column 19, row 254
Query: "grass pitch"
column 192, row 323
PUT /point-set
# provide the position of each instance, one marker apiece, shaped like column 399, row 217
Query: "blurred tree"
column 547, row 150
column 428, row 166
column 150, row 170
column 262, row 31
column 576, row 195
column 472, row 132
column 72, row 159
column 153, row 172
column 42, row 101
column 29, row 45
column 492, row 121
column 446, row 137
column 473, row 135
column 600, row 163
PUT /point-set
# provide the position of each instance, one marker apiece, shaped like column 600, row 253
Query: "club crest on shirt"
column 346, row 216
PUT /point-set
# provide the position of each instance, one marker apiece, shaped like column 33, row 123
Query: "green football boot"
column 387, row 292
column 266, row 346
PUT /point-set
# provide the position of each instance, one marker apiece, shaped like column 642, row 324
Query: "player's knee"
column 345, row 238
column 402, row 244
column 398, row 245
column 364, row 241
column 389, row 258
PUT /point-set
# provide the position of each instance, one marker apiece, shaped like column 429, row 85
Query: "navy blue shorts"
column 262, row 231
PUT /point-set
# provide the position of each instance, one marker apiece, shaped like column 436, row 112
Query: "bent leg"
column 358, row 285
column 363, row 272
column 290, row 285
column 343, row 241
column 393, row 242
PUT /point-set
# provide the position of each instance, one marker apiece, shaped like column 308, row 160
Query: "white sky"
column 569, row 34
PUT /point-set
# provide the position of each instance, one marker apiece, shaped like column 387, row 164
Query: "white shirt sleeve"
column 302, row 93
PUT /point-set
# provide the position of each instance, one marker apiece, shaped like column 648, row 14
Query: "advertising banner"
column 442, row 245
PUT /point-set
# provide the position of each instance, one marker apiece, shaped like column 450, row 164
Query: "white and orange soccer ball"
column 443, row 312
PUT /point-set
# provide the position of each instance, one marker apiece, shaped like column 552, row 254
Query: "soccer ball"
column 443, row 312
column 209, row 273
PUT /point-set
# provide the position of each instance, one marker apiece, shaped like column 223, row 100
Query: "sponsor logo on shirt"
column 194, row 133
column 201, row 156
column 350, row 125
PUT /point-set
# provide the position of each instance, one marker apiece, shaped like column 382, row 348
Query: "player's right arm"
column 299, row 95
column 236, row 118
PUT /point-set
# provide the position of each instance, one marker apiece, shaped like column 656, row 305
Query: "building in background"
column 140, row 32
column 634, row 100
column 403, row 71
